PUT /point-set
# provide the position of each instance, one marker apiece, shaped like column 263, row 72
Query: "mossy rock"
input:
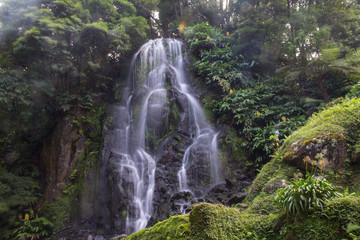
column 209, row 221
column 270, row 178
column 174, row 228
column 333, row 148
column 264, row 203
column 345, row 210
column 329, row 132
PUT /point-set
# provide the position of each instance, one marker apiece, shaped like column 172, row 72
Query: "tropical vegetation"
column 267, row 66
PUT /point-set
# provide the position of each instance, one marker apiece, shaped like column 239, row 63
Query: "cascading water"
column 141, row 125
column 203, row 135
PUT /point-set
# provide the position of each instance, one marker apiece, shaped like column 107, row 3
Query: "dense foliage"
column 17, row 194
column 256, row 108
column 60, row 56
column 258, row 113
column 274, row 64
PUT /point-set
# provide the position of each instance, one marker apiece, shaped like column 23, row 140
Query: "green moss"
column 344, row 210
column 124, row 213
column 74, row 174
column 219, row 222
column 264, row 203
column 341, row 119
column 176, row 227
column 272, row 172
column 208, row 222
column 312, row 228
column 175, row 112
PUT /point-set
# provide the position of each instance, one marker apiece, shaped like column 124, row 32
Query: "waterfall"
column 141, row 119
column 203, row 132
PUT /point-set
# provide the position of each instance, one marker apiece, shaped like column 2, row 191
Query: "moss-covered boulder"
column 273, row 175
column 330, row 137
column 174, row 228
column 332, row 147
column 212, row 222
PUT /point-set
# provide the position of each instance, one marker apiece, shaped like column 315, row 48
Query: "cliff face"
column 69, row 161
column 59, row 156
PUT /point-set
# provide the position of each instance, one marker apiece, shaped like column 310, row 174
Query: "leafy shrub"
column 216, row 64
column 220, row 68
column 355, row 91
column 16, row 194
column 258, row 113
column 203, row 37
column 36, row 228
column 300, row 196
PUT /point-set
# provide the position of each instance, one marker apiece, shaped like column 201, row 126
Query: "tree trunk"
column 288, row 3
column 320, row 81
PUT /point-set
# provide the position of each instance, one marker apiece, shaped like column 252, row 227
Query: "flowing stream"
column 156, row 70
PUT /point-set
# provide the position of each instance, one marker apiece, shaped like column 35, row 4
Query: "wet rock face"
column 199, row 172
column 115, row 189
column 59, row 157
column 332, row 148
column 166, row 178
column 112, row 198
column 228, row 193
column 181, row 203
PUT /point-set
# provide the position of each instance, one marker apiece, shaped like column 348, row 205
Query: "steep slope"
column 263, row 219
